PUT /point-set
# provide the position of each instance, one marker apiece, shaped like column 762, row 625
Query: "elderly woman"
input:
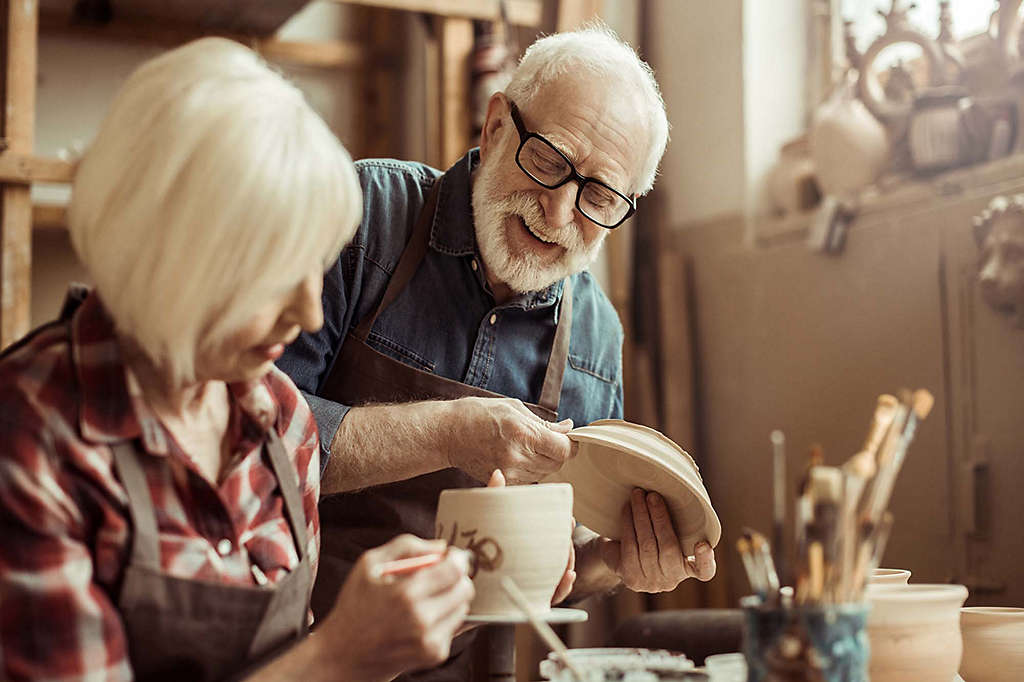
column 158, row 476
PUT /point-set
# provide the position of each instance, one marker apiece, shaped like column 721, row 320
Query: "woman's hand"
column 382, row 626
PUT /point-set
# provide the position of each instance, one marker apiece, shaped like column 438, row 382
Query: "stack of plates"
column 615, row 457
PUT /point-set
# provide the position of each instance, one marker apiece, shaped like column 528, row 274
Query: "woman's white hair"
column 211, row 188
column 598, row 54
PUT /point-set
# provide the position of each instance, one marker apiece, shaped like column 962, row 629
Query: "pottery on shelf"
column 523, row 532
column 890, row 576
column 790, row 182
column 914, row 632
column 849, row 146
column 614, row 457
column 993, row 644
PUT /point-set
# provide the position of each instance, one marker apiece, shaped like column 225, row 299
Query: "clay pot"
column 523, row 532
column 915, row 632
column 790, row 182
column 849, row 147
column 890, row 576
column 993, row 644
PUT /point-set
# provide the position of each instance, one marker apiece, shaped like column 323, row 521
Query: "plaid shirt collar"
column 111, row 405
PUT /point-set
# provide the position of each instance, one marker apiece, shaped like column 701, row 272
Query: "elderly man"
column 461, row 323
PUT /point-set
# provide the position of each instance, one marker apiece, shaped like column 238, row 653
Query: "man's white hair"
column 597, row 54
column 211, row 187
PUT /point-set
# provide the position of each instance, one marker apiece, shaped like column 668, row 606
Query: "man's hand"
column 649, row 558
column 497, row 480
column 501, row 433
column 381, row 626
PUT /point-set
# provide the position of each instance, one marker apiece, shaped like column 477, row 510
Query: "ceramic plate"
column 555, row 616
column 616, row 456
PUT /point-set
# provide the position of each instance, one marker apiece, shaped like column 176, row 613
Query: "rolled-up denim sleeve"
column 328, row 420
column 308, row 360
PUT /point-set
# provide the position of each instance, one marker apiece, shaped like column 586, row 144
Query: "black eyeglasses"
column 550, row 168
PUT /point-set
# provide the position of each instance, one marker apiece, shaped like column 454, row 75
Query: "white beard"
column 523, row 271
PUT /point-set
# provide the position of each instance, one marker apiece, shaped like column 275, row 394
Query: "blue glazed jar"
column 805, row 643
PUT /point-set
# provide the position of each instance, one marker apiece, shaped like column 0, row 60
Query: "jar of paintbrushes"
column 814, row 629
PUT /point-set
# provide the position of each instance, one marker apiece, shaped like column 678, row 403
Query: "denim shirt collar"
column 452, row 232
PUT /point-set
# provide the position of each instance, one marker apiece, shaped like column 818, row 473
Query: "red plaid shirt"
column 64, row 525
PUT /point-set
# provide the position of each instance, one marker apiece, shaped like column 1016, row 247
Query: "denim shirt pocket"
column 399, row 352
column 589, row 391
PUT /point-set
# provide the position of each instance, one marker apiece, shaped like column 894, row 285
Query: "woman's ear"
column 497, row 116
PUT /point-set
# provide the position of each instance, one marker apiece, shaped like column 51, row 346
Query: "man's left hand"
column 649, row 558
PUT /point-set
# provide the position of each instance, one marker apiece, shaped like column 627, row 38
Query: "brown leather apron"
column 351, row 523
column 181, row 629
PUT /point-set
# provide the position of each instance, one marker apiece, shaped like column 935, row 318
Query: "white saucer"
column 556, row 616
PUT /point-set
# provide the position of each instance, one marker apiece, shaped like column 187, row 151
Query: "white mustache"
column 529, row 209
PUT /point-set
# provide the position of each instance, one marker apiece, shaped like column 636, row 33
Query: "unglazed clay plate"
column 614, row 457
column 555, row 616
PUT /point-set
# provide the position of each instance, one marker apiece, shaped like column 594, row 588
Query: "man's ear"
column 497, row 116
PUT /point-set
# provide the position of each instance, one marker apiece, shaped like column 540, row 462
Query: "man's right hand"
column 501, row 433
column 381, row 626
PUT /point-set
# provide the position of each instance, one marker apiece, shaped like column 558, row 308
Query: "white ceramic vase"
column 914, row 632
column 890, row 576
column 850, row 148
column 993, row 644
column 523, row 532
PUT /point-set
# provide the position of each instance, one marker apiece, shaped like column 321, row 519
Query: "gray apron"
column 351, row 523
column 182, row 629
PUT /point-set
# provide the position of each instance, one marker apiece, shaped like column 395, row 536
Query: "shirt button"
column 494, row 318
column 224, row 547
column 473, row 264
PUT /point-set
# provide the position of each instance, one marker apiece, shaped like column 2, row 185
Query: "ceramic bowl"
column 890, row 576
column 993, row 644
column 523, row 532
column 618, row 665
column 614, row 457
column 914, row 631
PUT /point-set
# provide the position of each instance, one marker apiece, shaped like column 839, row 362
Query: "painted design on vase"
column 487, row 552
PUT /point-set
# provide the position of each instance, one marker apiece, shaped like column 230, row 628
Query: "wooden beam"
column 521, row 12
column 20, row 24
column 25, row 169
column 330, row 54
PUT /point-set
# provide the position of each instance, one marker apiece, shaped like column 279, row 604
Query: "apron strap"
column 288, row 481
column 408, row 262
column 551, row 391
column 146, row 544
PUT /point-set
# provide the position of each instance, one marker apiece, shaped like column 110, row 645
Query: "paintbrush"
column 918, row 406
column 779, row 501
column 513, row 592
column 762, row 550
column 826, row 491
column 408, row 565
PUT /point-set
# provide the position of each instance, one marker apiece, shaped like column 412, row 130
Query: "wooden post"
column 18, row 85
column 455, row 37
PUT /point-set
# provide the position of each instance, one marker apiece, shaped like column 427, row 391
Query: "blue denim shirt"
column 441, row 322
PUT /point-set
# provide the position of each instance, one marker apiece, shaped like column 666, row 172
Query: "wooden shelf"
column 337, row 54
column 521, row 12
column 248, row 17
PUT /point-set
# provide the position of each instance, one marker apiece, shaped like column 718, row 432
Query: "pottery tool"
column 779, row 502
column 408, row 565
column 762, row 550
column 513, row 592
column 749, row 565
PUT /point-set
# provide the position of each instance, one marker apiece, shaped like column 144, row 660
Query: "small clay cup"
column 523, row 532
column 890, row 576
column 915, row 632
column 993, row 643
